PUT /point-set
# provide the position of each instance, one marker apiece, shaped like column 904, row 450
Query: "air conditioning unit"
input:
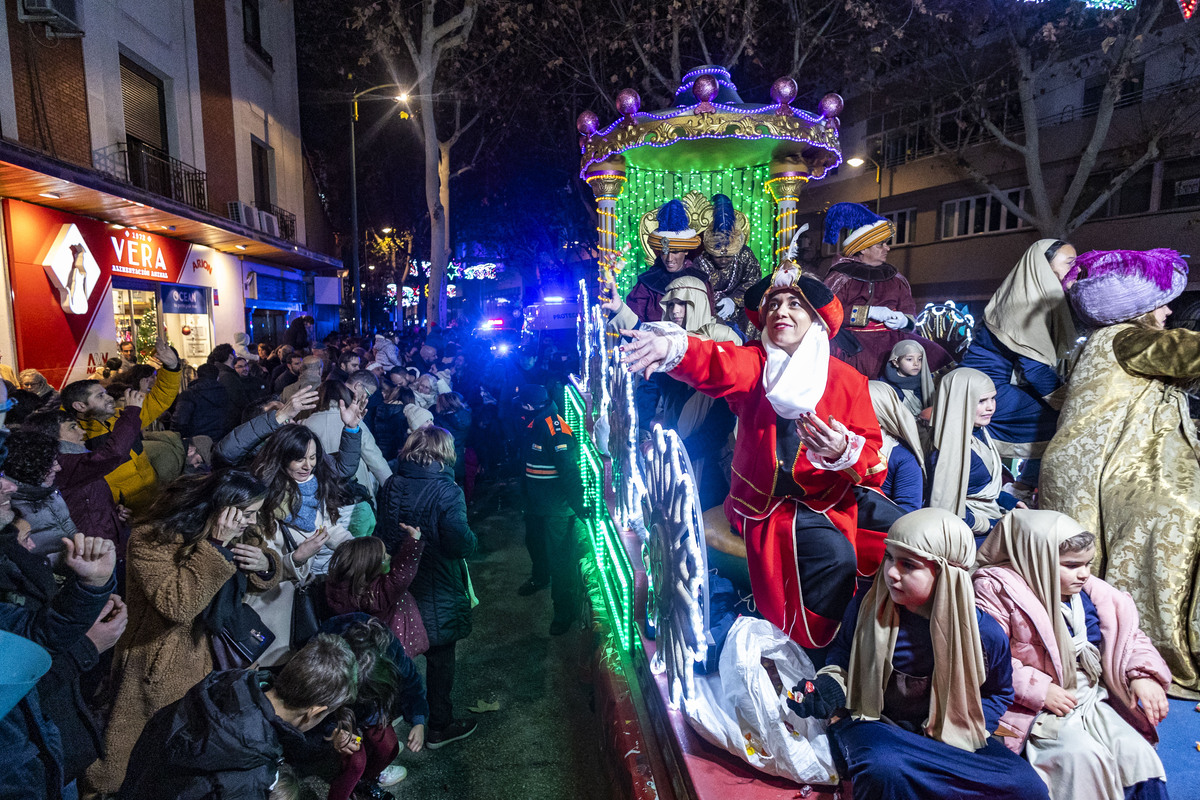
column 244, row 214
column 270, row 224
column 61, row 17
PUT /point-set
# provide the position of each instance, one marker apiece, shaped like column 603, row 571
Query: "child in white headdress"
column 902, row 449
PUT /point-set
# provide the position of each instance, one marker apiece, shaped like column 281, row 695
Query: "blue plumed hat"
column 673, row 232
column 672, row 216
column 723, row 238
column 866, row 227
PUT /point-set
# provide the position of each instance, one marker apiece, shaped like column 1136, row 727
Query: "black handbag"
column 306, row 622
column 242, row 640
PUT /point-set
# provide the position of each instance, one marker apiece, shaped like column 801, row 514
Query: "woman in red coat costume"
column 806, row 466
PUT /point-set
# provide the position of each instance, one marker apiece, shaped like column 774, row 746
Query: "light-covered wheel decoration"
column 623, row 446
column 586, row 343
column 678, row 602
column 947, row 324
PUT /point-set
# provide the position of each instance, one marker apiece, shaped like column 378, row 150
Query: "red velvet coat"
column 765, row 519
column 859, row 287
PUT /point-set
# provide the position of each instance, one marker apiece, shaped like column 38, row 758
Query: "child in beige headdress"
column 1081, row 664
column 902, row 448
column 917, row 678
column 907, row 371
column 967, row 469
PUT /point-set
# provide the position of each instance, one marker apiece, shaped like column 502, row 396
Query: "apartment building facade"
column 956, row 242
column 151, row 172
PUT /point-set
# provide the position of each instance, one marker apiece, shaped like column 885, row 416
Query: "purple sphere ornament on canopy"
column 705, row 88
column 783, row 91
column 587, row 123
column 831, row 105
column 628, row 102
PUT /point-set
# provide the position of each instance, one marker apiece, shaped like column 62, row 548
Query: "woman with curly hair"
column 198, row 549
column 33, row 464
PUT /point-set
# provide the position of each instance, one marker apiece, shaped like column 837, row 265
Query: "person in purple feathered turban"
column 1125, row 462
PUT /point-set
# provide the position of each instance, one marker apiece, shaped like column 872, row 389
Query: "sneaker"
column 393, row 775
column 458, row 729
column 531, row 587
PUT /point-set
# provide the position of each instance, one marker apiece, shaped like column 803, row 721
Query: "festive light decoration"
column 613, row 569
column 451, row 290
column 1188, row 7
column 647, row 189
column 410, row 297
column 628, row 476
column 678, row 565
column 455, row 270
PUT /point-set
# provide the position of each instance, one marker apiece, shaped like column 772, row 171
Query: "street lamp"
column 858, row 161
column 402, row 97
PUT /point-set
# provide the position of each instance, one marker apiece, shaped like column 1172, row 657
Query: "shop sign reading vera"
column 137, row 255
column 61, row 267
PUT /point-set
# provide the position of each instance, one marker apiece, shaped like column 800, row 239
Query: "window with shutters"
column 145, row 106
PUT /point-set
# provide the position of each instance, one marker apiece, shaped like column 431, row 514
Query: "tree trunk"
column 435, row 309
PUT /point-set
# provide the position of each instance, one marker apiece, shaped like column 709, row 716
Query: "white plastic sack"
column 739, row 710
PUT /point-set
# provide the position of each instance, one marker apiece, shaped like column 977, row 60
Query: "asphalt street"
column 543, row 741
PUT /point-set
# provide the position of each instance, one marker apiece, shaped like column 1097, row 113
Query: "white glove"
column 878, row 313
column 896, row 321
column 725, row 307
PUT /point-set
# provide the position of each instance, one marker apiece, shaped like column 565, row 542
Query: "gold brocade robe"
column 1125, row 464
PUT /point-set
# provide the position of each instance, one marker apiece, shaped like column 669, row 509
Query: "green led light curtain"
column 648, row 189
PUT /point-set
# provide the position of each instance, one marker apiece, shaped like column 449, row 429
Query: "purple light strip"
column 770, row 108
column 706, row 71
column 583, row 173
column 687, row 86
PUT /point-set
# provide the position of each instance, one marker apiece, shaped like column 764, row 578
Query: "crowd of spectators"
column 233, row 564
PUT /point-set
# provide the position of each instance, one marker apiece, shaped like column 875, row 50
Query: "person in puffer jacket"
column 204, row 408
column 134, row 483
column 226, row 737
column 423, row 494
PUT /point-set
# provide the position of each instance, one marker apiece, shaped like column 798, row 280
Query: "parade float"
column 674, row 727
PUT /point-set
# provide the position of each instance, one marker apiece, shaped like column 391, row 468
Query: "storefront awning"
column 34, row 177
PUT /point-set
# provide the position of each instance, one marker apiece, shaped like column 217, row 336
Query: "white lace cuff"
column 853, row 451
column 677, row 341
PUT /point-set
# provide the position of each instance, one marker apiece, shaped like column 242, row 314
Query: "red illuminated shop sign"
column 61, row 267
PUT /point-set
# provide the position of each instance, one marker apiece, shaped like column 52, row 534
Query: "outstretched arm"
column 719, row 369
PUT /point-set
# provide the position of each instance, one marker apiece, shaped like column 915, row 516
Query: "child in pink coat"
column 1089, row 685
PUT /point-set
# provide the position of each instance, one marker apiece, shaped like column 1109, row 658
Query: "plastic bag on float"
column 739, row 708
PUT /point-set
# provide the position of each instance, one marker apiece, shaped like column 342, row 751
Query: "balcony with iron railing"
column 149, row 168
column 903, row 144
column 287, row 220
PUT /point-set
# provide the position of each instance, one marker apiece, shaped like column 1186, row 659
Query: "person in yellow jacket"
column 134, row 484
